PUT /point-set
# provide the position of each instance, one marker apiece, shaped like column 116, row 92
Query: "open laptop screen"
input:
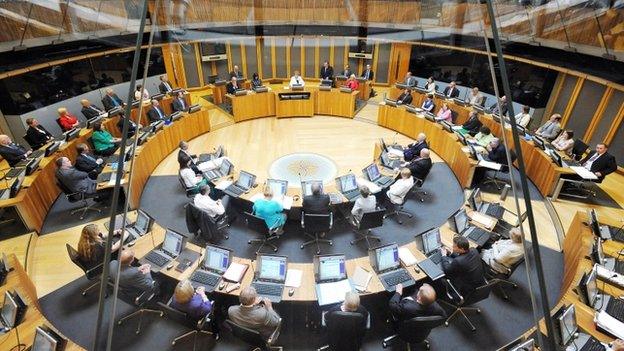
column 245, row 180
column 567, row 324
column 348, row 183
column 461, row 221
column 9, row 310
column 142, row 222
column 44, row 341
column 478, row 201
column 372, row 172
column 431, row 240
column 173, row 243
column 332, row 267
column 306, row 186
column 278, row 187
column 225, row 167
column 387, row 257
column 272, row 268
column 217, row 259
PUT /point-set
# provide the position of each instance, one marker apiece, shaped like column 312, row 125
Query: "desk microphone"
column 394, row 138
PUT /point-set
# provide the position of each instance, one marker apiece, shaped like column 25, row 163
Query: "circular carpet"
column 303, row 166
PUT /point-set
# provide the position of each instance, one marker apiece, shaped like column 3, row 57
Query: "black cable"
column 571, row 335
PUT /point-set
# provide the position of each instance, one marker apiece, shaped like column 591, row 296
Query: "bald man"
column 132, row 279
column 420, row 304
column 413, row 150
column 89, row 110
column 421, row 166
column 73, row 179
column 13, row 153
column 317, row 202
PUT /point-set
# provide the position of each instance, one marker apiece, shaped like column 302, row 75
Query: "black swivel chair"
column 258, row 225
column 253, row 338
column 190, row 191
column 415, row 330
column 31, row 142
column 501, row 279
column 312, row 225
column 461, row 304
column 92, row 274
column 397, row 209
column 79, row 196
column 369, row 221
column 417, row 188
column 140, row 302
column 499, row 183
column 578, row 149
column 345, row 330
column 202, row 224
column 196, row 326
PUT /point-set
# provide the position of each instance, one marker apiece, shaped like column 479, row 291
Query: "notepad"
column 406, row 257
column 583, row 172
column 374, row 188
column 331, row 293
column 491, row 165
column 235, row 272
column 223, row 184
column 293, row 278
column 482, row 219
column 361, row 278
column 609, row 324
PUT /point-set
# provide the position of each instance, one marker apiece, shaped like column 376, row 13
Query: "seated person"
column 451, row 90
column 179, row 104
column 88, row 163
column 133, row 280
column 270, row 210
column 600, row 162
column 564, row 142
column 473, row 124
column 351, row 304
column 413, row 150
column 352, row 83
column 164, row 87
column 140, row 93
column 428, row 104
column 198, row 167
column 91, row 245
column 11, row 152
column 410, row 80
column 132, row 128
column 496, row 151
column 405, row 98
column 445, row 114
column 232, row 86
column 421, row 166
column 399, row 189
column 37, row 134
column 363, row 204
column 463, row 266
column 502, row 110
column 255, row 313
column 255, row 80
column 193, row 302
column 475, row 97
column 103, row 142
column 191, row 180
column 430, row 86
column 156, row 113
column 111, row 100
column 551, row 128
column 317, row 203
column 203, row 201
column 296, row 80
column 66, row 120
column 504, row 253
column 236, row 72
column 420, row 304
column 523, row 118
column 89, row 110
column 347, row 71
column 327, row 72
column 484, row 136
column 73, row 179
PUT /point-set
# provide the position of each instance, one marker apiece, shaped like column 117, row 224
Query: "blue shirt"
column 195, row 308
column 270, row 211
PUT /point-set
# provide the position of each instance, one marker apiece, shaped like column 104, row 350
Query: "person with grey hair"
column 504, row 253
column 363, row 204
column 317, row 202
column 413, row 150
column 496, row 151
column 551, row 128
column 351, row 303
column 13, row 153
column 73, row 179
column 254, row 312
column 421, row 303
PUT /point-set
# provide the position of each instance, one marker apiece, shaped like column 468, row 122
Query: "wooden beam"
column 615, row 125
column 572, row 102
column 597, row 117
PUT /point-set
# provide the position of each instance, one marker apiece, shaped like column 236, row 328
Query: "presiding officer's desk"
column 165, row 103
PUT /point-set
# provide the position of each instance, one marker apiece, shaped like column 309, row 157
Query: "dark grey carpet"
column 601, row 198
column 491, row 188
column 445, row 198
column 59, row 217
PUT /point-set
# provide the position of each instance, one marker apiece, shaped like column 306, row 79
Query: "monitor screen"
column 44, row 341
column 594, row 224
column 225, row 167
column 539, row 142
column 592, row 287
column 306, row 186
column 272, row 267
column 332, row 267
column 142, row 222
column 348, row 183
column 478, row 201
column 217, row 258
column 173, row 243
column 245, row 180
column 461, row 221
column 567, row 324
column 431, row 240
column 387, row 257
column 9, row 309
column 372, row 172
column 278, row 187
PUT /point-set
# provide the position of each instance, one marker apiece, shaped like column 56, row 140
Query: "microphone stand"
column 19, row 346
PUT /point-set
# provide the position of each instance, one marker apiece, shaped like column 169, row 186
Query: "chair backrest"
column 179, row 316
column 29, row 141
column 372, row 219
column 579, row 148
column 514, row 266
column 416, row 330
column 346, row 330
column 249, row 336
column 71, row 197
column 317, row 223
column 480, row 293
column 58, row 121
column 256, row 223
column 74, row 256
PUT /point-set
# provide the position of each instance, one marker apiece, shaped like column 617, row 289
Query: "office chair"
column 92, row 274
column 397, row 209
column 92, row 147
column 312, row 225
column 480, row 293
column 369, row 221
column 414, row 331
column 30, row 142
column 500, row 279
column 345, row 330
column 196, row 326
column 499, row 183
column 258, row 225
column 503, row 227
column 202, row 224
column 253, row 338
column 417, row 188
column 79, row 196
column 140, row 302
column 190, row 191
column 578, row 149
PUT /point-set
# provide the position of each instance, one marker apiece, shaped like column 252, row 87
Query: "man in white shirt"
column 397, row 191
column 296, row 80
column 364, row 204
column 505, row 253
column 204, row 202
column 523, row 118
column 475, row 97
column 201, row 167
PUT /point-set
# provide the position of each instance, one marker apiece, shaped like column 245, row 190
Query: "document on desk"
column 610, row 276
column 489, row 164
column 235, row 272
column 331, row 293
column 223, row 184
column 609, row 324
column 406, row 257
column 584, row 173
column 361, row 278
column 395, row 152
column 483, row 219
column 293, row 278
column 374, row 188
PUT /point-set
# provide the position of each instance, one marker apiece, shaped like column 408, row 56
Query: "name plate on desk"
column 294, row 96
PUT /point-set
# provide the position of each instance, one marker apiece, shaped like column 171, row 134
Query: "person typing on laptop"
column 270, row 210
column 193, row 302
column 422, row 303
column 255, row 313
column 91, row 245
column 363, row 204
column 504, row 253
column 463, row 266
column 135, row 280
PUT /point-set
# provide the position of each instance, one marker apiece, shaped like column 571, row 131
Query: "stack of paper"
column 331, row 293
column 488, row 164
column 583, row 173
column 235, row 272
column 609, row 324
column 293, row 278
column 361, row 278
column 406, row 257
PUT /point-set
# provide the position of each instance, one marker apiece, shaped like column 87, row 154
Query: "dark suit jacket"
column 231, row 89
column 406, row 99
column 107, row 101
column 327, row 73
column 454, row 93
column 83, row 163
column 153, row 116
column 503, row 111
column 163, row 89
column 316, row 204
column 420, row 167
column 89, row 112
column 346, row 73
column 239, row 75
column 413, row 150
column 465, row 271
column 177, row 105
column 13, row 155
column 131, row 127
column 371, row 75
column 404, row 309
column 473, row 125
column 37, row 138
column 498, row 154
column 604, row 164
column 76, row 181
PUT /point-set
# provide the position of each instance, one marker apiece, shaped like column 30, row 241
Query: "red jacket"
column 67, row 121
column 353, row 84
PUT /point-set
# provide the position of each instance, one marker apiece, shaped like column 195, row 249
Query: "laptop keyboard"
column 397, row 277
column 593, row 345
column 37, row 154
column 156, row 258
column 615, row 308
column 383, row 181
column 268, row 289
column 351, row 194
column 205, row 278
column 14, row 172
column 495, row 210
column 436, row 257
column 476, row 234
column 235, row 190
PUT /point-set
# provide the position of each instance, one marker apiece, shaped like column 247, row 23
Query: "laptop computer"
column 278, row 187
column 224, row 170
column 567, row 332
column 373, row 174
column 216, row 262
column 171, row 248
column 459, row 223
column 347, row 184
column 330, row 276
column 270, row 276
column 589, row 293
column 385, row 262
column 475, row 201
column 430, row 243
column 242, row 185
column 388, row 163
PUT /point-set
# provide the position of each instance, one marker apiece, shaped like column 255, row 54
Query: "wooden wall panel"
column 608, row 117
column 586, row 105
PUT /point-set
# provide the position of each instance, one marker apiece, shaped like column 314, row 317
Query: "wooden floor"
column 255, row 144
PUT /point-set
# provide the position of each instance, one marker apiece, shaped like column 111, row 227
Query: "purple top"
column 196, row 308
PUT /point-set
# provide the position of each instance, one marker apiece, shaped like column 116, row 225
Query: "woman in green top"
column 269, row 210
column 484, row 136
column 103, row 142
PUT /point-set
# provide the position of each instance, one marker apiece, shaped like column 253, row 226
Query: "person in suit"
column 422, row 303
column 363, row 204
column 523, row 118
column 600, row 162
column 296, row 79
column 156, row 112
column 413, row 150
column 103, row 142
column 256, row 82
column 66, row 120
column 504, row 253
column 73, row 179
column 405, row 98
column 193, row 302
column 198, row 167
column 132, row 128
column 352, row 304
column 37, row 135
column 473, row 124
column 368, row 74
column 502, row 109
column 91, row 245
column 496, row 151
column 179, row 104
column 475, row 98
column 11, row 152
column 451, row 91
column 132, row 279
column 255, row 313
column 428, row 105
column 164, row 87
column 89, row 110
column 232, row 86
column 445, row 114
column 88, row 163
column 410, row 80
column 463, row 266
column 327, row 71
column 317, row 203
column 270, row 210
column 421, row 166
column 430, row 86
column 551, row 128
column 346, row 71
column 236, row 72
column 111, row 100
column 399, row 189
column 352, row 83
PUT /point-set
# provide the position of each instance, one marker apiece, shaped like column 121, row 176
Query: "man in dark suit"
column 421, row 166
column 599, row 162
column 232, row 86
column 86, row 162
column 327, row 71
column 410, row 80
column 451, row 91
column 473, row 124
column 11, row 152
column 179, row 104
column 111, row 100
column 89, row 110
column 164, row 87
column 36, row 134
column 413, row 150
column 73, row 179
column 317, row 203
column 497, row 152
column 236, row 72
column 405, row 98
column 420, row 304
column 463, row 266
column 503, row 107
column 156, row 113
column 131, row 128
column 368, row 73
